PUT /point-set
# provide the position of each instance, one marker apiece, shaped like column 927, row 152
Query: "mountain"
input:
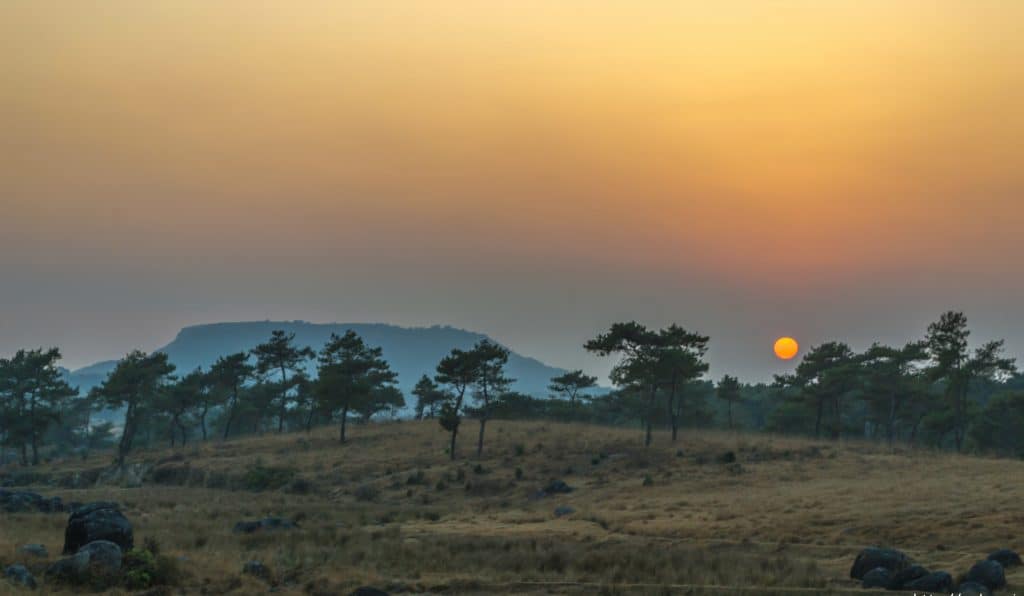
column 412, row 351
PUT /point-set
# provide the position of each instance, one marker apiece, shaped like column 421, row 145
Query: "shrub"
column 260, row 477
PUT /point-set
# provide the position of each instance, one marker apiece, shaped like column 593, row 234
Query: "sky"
column 532, row 170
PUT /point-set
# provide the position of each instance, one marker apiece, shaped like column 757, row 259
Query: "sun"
column 786, row 348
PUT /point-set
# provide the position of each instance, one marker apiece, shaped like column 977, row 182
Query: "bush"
column 259, row 477
column 143, row 569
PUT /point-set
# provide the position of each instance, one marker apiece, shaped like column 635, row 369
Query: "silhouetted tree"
column 35, row 393
column 947, row 344
column 729, row 392
column 228, row 376
column 280, row 356
column 638, row 363
column 457, row 370
column 489, row 383
column 134, row 384
column 428, row 396
column 893, row 381
column 572, row 385
column 383, row 398
column 825, row 375
column 178, row 400
column 351, row 377
column 680, row 361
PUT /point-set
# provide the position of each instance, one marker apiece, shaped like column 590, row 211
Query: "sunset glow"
column 485, row 151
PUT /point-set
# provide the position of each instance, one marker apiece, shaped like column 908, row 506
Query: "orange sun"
column 786, row 348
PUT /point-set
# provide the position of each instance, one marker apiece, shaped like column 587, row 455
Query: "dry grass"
column 389, row 509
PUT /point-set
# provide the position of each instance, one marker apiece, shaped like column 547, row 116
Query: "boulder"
column 879, row 577
column 987, row 573
column 872, row 557
column 938, row 582
column 1006, row 557
column 28, row 502
column 557, row 487
column 98, row 521
column 100, row 558
column 972, row 589
column 35, row 550
column 563, row 510
column 267, row 524
column 19, row 575
column 899, row 579
column 256, row 569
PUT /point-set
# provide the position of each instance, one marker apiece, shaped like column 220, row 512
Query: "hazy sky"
column 534, row 170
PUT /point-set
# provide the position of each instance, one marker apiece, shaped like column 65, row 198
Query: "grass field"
column 390, row 510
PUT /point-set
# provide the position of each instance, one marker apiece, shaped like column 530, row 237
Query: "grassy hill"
column 716, row 513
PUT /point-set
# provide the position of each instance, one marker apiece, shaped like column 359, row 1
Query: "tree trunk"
column 231, row 412
column 480, row 439
column 344, row 421
column 284, row 400
column 202, row 420
column 125, row 445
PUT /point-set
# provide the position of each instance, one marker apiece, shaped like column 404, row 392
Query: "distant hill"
column 412, row 351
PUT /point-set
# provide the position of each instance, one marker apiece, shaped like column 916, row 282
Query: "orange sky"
column 773, row 152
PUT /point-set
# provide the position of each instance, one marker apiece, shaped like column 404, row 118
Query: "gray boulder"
column 19, row 575
column 35, row 550
column 557, row 487
column 98, row 521
column 1006, row 557
column 987, row 573
column 96, row 559
column 563, row 510
column 28, row 502
column 879, row 577
column 938, row 582
column 900, row 579
column 873, row 557
column 267, row 524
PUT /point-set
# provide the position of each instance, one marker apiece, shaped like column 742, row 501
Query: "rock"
column 873, row 557
column 256, row 569
column 98, row 521
column 19, row 575
column 973, row 589
column 28, row 502
column 104, row 554
column 899, row 579
column 987, row 573
column 267, row 524
column 563, row 510
column 727, row 458
column 100, row 558
column 879, row 577
column 35, row 550
column 1006, row 557
column 368, row 591
column 557, row 487
column 938, row 582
